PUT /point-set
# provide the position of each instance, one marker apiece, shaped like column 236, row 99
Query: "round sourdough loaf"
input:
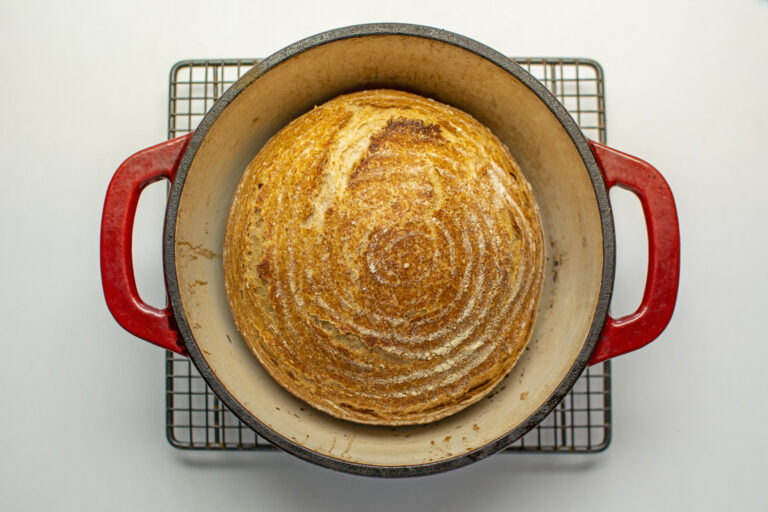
column 384, row 258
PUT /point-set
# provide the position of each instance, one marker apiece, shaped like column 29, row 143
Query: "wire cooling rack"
column 196, row 419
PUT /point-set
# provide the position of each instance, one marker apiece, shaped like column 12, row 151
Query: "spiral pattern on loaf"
column 384, row 258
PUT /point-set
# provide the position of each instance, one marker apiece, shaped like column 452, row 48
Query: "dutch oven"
column 570, row 176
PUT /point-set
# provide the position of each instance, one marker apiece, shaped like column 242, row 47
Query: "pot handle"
column 628, row 333
column 134, row 174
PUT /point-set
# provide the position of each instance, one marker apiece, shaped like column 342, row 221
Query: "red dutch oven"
column 570, row 176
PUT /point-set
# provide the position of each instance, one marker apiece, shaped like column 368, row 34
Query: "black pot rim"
column 601, row 195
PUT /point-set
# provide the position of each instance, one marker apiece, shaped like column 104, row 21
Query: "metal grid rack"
column 196, row 419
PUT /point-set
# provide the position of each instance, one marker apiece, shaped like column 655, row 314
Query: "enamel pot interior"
column 553, row 156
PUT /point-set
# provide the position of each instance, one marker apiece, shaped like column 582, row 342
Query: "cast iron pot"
column 570, row 176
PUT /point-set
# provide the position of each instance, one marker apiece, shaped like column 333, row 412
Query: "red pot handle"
column 133, row 175
column 628, row 333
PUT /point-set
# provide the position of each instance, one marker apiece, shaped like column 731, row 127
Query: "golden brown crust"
column 384, row 258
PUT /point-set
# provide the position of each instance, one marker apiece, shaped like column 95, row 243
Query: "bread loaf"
column 384, row 258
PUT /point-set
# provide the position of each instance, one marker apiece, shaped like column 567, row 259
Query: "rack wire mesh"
column 196, row 419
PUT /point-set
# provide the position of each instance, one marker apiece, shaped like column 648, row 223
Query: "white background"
column 84, row 84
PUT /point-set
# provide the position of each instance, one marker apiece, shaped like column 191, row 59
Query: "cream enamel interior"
column 549, row 160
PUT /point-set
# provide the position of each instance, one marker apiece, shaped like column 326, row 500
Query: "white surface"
column 81, row 401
